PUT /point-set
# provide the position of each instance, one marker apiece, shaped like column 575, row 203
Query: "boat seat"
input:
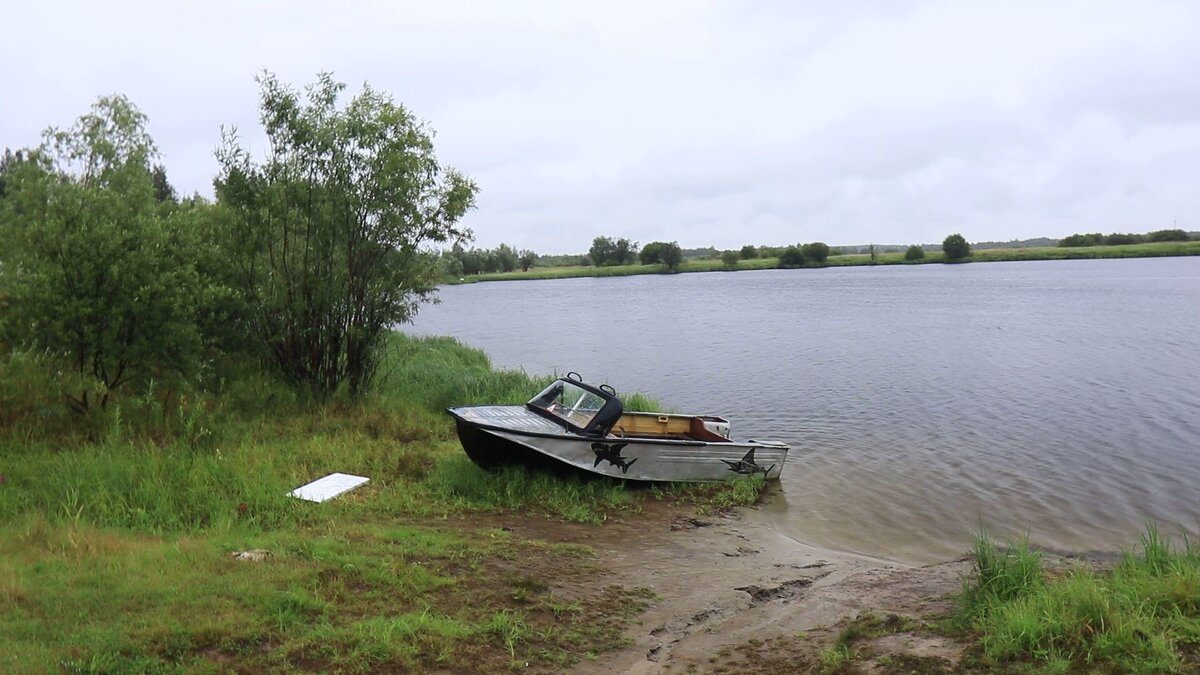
column 701, row 433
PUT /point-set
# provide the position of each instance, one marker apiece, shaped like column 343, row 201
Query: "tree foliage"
column 730, row 259
column 506, row 258
column 459, row 261
column 1118, row 238
column 163, row 190
column 914, row 252
column 1167, row 235
column 607, row 251
column 1122, row 239
column 651, row 253
column 93, row 272
column 666, row 253
column 792, row 256
column 748, row 252
column 818, row 251
column 9, row 163
column 1091, row 239
column 328, row 234
column 956, row 247
column 603, row 251
column 626, row 252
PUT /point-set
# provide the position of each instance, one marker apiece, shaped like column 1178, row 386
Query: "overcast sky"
column 710, row 123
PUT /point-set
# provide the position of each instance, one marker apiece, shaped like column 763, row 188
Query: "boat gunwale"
column 585, row 437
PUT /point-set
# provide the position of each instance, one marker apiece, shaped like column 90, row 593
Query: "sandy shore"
column 735, row 595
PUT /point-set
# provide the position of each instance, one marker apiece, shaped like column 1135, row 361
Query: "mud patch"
column 688, row 523
column 734, row 595
column 787, row 589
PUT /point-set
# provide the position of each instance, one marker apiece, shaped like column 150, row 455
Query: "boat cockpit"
column 582, row 407
column 596, row 411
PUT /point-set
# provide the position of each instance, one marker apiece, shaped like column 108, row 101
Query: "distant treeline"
column 619, row 251
column 608, row 251
column 1119, row 239
column 459, row 261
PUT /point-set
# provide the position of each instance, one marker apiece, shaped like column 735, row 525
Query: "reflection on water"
column 1059, row 398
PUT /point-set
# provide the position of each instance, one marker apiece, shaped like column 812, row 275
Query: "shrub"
column 106, row 280
column 791, row 257
column 956, row 247
column 607, row 251
column 1118, row 239
column 330, row 231
column 817, row 251
column 667, row 253
column 730, row 258
column 1093, row 239
column 914, row 252
column 748, row 252
column 1167, row 235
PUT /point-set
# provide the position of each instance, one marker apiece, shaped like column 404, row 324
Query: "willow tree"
column 91, row 271
column 329, row 234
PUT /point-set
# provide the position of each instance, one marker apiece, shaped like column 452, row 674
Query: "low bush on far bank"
column 792, row 256
column 1120, row 239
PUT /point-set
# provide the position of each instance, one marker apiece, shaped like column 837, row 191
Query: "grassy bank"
column 1143, row 615
column 1150, row 250
column 116, row 536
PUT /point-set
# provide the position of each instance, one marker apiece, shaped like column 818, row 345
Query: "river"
column 1055, row 398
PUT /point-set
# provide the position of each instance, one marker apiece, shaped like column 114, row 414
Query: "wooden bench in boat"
column 707, row 428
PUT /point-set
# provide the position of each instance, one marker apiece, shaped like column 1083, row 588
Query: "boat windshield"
column 572, row 404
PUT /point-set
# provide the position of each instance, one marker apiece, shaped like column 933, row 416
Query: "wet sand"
column 736, row 595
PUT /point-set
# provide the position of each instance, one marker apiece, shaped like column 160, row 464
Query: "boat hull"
column 638, row 459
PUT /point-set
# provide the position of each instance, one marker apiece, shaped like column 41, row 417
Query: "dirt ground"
column 734, row 595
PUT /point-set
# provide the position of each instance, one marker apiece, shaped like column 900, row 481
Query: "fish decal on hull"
column 747, row 466
column 611, row 453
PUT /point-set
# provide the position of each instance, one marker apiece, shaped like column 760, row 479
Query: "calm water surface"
column 1058, row 398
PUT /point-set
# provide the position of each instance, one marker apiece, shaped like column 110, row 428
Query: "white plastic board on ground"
column 323, row 489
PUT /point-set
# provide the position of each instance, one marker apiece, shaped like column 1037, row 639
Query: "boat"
column 574, row 426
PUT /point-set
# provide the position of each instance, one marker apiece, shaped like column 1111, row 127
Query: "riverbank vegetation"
column 170, row 369
column 619, row 257
column 903, row 257
column 116, row 533
column 1142, row 615
column 1118, row 238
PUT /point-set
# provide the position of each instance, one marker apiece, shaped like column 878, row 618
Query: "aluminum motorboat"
column 577, row 425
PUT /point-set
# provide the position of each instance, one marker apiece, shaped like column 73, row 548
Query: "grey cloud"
column 719, row 123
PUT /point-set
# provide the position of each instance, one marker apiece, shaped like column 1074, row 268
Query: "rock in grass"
column 253, row 555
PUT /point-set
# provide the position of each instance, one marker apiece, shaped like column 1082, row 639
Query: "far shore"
column 1152, row 250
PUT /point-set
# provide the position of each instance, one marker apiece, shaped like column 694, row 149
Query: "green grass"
column 348, row 598
column 839, row 655
column 460, row 483
column 1141, row 616
column 115, row 532
column 1147, row 250
column 238, row 473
